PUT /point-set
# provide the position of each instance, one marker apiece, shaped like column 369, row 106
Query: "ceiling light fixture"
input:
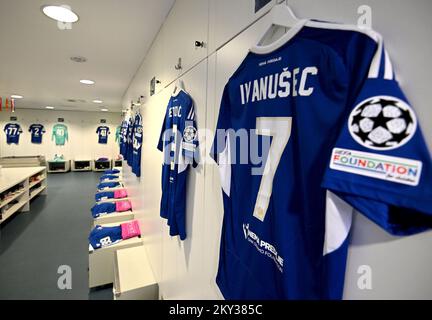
column 88, row 82
column 16, row 96
column 104, row 110
column 60, row 13
column 48, row 107
column 97, row 101
column 78, row 59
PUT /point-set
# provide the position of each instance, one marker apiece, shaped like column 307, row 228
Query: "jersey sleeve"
column 190, row 143
column 162, row 134
column 20, row 130
column 30, row 128
column 380, row 164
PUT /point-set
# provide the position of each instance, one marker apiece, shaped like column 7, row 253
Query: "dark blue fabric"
column 103, row 209
column 297, row 104
column 104, row 195
column 104, row 236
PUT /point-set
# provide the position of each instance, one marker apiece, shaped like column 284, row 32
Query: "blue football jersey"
column 37, row 131
column 104, row 195
column 101, row 237
column 129, row 141
column 179, row 142
column 103, row 132
column 137, row 145
column 309, row 128
column 108, row 185
column 102, row 209
column 13, row 132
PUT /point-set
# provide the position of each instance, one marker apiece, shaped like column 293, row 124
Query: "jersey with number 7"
column 309, row 128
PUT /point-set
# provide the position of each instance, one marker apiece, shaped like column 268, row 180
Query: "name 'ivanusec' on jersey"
column 279, row 85
column 342, row 136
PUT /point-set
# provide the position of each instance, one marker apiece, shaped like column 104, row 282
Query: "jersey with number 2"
column 37, row 131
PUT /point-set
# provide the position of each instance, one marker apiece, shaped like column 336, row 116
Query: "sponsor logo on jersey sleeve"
column 382, row 123
column 394, row 169
column 189, row 134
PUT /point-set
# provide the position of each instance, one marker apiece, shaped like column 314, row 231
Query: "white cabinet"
column 58, row 166
column 18, row 186
column 115, row 217
column 81, row 165
column 101, row 261
column 133, row 276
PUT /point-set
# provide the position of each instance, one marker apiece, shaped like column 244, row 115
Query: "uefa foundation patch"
column 394, row 169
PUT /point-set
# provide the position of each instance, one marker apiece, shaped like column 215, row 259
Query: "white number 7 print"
column 279, row 128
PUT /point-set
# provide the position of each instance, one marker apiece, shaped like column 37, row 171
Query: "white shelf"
column 85, row 169
column 5, row 202
column 102, row 169
column 115, row 217
column 32, row 184
column 115, row 180
column 12, row 210
column 66, row 166
column 11, row 178
column 134, row 279
column 110, row 189
column 101, row 261
column 35, row 192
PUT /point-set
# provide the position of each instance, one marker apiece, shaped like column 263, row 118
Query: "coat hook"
column 199, row 44
column 178, row 66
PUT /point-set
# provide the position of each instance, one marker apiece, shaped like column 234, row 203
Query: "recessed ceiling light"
column 104, row 110
column 60, row 13
column 97, row 101
column 78, row 59
column 16, row 96
column 48, row 107
column 89, row 82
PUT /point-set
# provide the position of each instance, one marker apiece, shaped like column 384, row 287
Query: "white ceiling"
column 114, row 35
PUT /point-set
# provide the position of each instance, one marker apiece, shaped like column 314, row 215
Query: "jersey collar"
column 175, row 94
column 281, row 41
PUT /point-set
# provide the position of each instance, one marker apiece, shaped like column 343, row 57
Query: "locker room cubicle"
column 393, row 267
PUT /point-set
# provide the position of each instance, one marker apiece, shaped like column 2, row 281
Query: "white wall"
column 186, row 270
column 83, row 140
